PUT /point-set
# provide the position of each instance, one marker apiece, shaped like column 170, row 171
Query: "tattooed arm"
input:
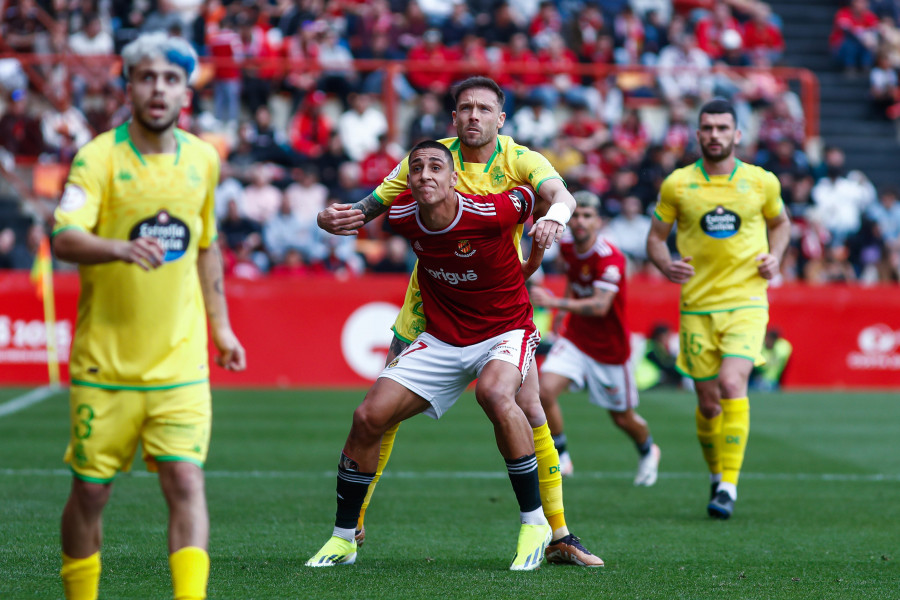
column 346, row 219
column 212, row 282
column 594, row 306
column 396, row 349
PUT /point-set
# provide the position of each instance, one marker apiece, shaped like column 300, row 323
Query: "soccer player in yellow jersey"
column 732, row 231
column 486, row 163
column 137, row 216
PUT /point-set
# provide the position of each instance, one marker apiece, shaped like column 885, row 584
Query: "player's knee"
column 531, row 406
column 620, row 419
column 495, row 400
column 181, row 481
column 368, row 424
column 91, row 497
column 732, row 385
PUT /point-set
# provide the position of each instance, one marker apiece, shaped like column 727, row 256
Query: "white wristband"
column 558, row 212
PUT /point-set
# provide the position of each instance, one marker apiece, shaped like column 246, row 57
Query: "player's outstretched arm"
column 549, row 226
column 597, row 305
column 212, row 282
column 779, row 228
column 346, row 219
column 676, row 271
column 83, row 248
column 534, row 261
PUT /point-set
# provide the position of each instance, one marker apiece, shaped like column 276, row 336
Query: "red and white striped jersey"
column 469, row 272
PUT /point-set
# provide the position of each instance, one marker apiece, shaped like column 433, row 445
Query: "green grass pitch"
column 818, row 515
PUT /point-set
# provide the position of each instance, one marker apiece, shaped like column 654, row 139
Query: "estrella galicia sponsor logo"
column 464, row 249
column 720, row 223
column 173, row 234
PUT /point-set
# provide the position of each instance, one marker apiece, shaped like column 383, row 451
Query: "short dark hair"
column 718, row 106
column 477, row 82
column 434, row 145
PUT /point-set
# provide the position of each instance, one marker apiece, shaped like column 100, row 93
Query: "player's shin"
column 709, row 433
column 352, row 487
column 190, row 573
column 733, row 439
column 550, row 480
column 384, row 455
column 81, row 577
column 523, row 475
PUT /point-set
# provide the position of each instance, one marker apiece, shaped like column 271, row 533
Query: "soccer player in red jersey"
column 593, row 349
column 480, row 326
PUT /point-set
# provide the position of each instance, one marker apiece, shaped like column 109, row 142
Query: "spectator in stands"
column 605, row 99
column 886, row 214
column 375, row 164
column 621, row 186
column 381, row 48
column 236, row 229
column 292, row 265
column 762, row 36
column 584, row 132
column 712, row 27
column 545, row 24
column 458, row 25
column 284, row 230
column 787, row 159
column 585, row 31
column 517, row 84
column 13, row 255
column 396, row 257
column 778, row 123
column 360, row 126
column 65, row 128
column 841, row 199
column 229, row 190
column 629, row 231
column 656, row 164
column 412, row 26
column 20, row 130
column 534, row 125
column 867, row 251
column 269, row 143
column 564, row 82
column 256, row 44
column 679, row 137
column 225, row 46
column 629, row 37
column 682, row 71
column 631, row 137
column 883, row 84
column 338, row 75
column 310, row 129
column 500, row 29
column 656, row 36
column 261, row 198
column 301, row 51
column 22, row 30
column 430, row 121
column 330, row 162
column 854, row 37
column 306, row 194
column 431, row 51
column 567, row 161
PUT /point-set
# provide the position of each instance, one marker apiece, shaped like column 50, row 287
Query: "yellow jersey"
column 141, row 329
column 721, row 223
column 510, row 165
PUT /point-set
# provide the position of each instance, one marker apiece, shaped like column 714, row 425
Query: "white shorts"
column 609, row 386
column 440, row 373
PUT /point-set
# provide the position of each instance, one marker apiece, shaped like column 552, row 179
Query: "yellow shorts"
column 172, row 425
column 411, row 320
column 706, row 339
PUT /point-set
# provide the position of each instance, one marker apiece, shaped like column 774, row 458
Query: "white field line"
column 24, row 401
column 836, row 477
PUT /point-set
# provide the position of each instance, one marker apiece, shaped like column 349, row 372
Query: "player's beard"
column 484, row 138
column 155, row 126
column 719, row 155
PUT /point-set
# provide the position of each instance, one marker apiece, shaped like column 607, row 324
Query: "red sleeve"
column 610, row 271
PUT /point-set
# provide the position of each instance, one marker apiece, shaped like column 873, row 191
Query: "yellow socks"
column 549, row 478
column 190, row 573
column 733, row 439
column 709, row 433
column 384, row 454
column 81, row 576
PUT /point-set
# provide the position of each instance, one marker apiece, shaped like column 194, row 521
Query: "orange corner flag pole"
column 42, row 277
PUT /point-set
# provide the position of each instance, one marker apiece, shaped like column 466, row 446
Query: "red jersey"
column 469, row 273
column 605, row 339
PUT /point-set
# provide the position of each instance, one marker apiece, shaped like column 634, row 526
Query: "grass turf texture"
column 816, row 517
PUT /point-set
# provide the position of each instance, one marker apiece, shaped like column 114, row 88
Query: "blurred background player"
column 480, row 326
column 486, row 163
column 777, row 352
column 732, row 233
column 137, row 215
column 593, row 348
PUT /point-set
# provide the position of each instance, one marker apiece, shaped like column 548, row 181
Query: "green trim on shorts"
column 78, row 475
column 136, row 388
column 750, row 358
column 721, row 310
column 193, row 461
column 686, row 374
column 400, row 337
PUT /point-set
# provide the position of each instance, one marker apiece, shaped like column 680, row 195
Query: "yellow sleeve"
column 209, row 205
column 774, row 203
column 79, row 206
column 667, row 207
column 533, row 167
column 394, row 184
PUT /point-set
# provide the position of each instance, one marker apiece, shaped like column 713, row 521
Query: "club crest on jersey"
column 172, row 233
column 586, row 272
column 720, row 223
column 393, row 173
column 464, row 249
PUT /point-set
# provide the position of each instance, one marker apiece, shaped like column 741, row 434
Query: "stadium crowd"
column 298, row 134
